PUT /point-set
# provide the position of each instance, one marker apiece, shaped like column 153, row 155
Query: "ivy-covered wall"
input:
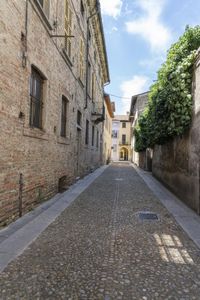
column 169, row 109
column 177, row 162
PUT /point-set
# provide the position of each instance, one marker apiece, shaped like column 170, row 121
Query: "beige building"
column 52, row 72
column 121, row 138
column 107, row 130
column 138, row 104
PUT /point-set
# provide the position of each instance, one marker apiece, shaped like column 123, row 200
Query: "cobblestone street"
column 99, row 248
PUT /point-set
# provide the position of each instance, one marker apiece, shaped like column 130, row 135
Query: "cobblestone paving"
column 99, row 249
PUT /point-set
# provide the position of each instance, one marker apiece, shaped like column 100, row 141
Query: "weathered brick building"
column 53, row 67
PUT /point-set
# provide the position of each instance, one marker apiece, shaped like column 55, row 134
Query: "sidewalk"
column 101, row 248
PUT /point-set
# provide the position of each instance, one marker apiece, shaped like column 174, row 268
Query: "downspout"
column 24, row 38
column 87, row 52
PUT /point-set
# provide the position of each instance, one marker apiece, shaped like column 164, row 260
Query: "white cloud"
column 111, row 8
column 149, row 26
column 153, row 62
column 136, row 85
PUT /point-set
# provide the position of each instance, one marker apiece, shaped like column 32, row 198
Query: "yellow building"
column 107, row 129
column 121, row 138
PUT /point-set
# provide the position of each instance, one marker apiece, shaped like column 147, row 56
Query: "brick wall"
column 42, row 156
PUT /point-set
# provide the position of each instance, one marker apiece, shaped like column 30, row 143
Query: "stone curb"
column 185, row 217
column 19, row 235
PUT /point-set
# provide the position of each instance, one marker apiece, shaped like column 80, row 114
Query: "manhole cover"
column 147, row 216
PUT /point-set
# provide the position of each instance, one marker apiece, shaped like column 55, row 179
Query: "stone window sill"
column 63, row 140
column 35, row 133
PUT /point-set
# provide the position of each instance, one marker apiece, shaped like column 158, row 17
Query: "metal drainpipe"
column 87, row 53
column 24, row 54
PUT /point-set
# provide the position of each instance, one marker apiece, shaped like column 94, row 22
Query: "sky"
column 138, row 34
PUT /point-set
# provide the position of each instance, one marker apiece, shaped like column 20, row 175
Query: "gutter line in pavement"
column 185, row 216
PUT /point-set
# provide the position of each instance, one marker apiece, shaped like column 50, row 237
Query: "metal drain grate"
column 147, row 216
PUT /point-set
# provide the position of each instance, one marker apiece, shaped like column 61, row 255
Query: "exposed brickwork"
column 42, row 156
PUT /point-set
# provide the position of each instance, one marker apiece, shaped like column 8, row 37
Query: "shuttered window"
column 68, row 29
column 63, row 131
column 81, row 61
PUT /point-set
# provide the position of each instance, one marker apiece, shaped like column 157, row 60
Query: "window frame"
column 64, row 117
column 68, row 29
column 36, row 101
column 93, row 134
column 82, row 8
column 79, row 118
column 97, row 139
column 45, row 6
column 87, row 125
column 123, row 139
column 81, row 61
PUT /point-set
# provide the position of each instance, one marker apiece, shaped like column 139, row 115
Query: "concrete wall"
column 42, row 156
column 177, row 163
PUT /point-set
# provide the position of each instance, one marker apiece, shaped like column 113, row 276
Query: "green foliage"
column 169, row 109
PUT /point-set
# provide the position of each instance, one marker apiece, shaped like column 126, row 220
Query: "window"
column 114, row 133
column 87, row 133
column 114, row 148
column 81, row 61
column 68, row 28
column 82, row 9
column 64, row 117
column 79, row 117
column 123, row 139
column 36, row 91
column 89, row 79
column 93, row 86
column 95, row 56
column 45, row 4
column 124, row 125
column 97, row 141
column 93, row 129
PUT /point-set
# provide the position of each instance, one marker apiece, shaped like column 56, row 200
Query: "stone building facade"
column 107, row 129
column 53, row 67
column 138, row 104
column 121, row 138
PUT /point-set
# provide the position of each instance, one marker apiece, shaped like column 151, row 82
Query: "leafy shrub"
column 169, row 109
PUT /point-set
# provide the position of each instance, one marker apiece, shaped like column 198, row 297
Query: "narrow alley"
column 102, row 247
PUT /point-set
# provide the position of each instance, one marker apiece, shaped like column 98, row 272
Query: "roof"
column 100, row 38
column 133, row 101
column 122, row 118
column 110, row 105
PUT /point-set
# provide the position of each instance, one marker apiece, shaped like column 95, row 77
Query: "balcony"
column 122, row 143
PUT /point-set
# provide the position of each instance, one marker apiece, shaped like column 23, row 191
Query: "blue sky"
column 138, row 34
